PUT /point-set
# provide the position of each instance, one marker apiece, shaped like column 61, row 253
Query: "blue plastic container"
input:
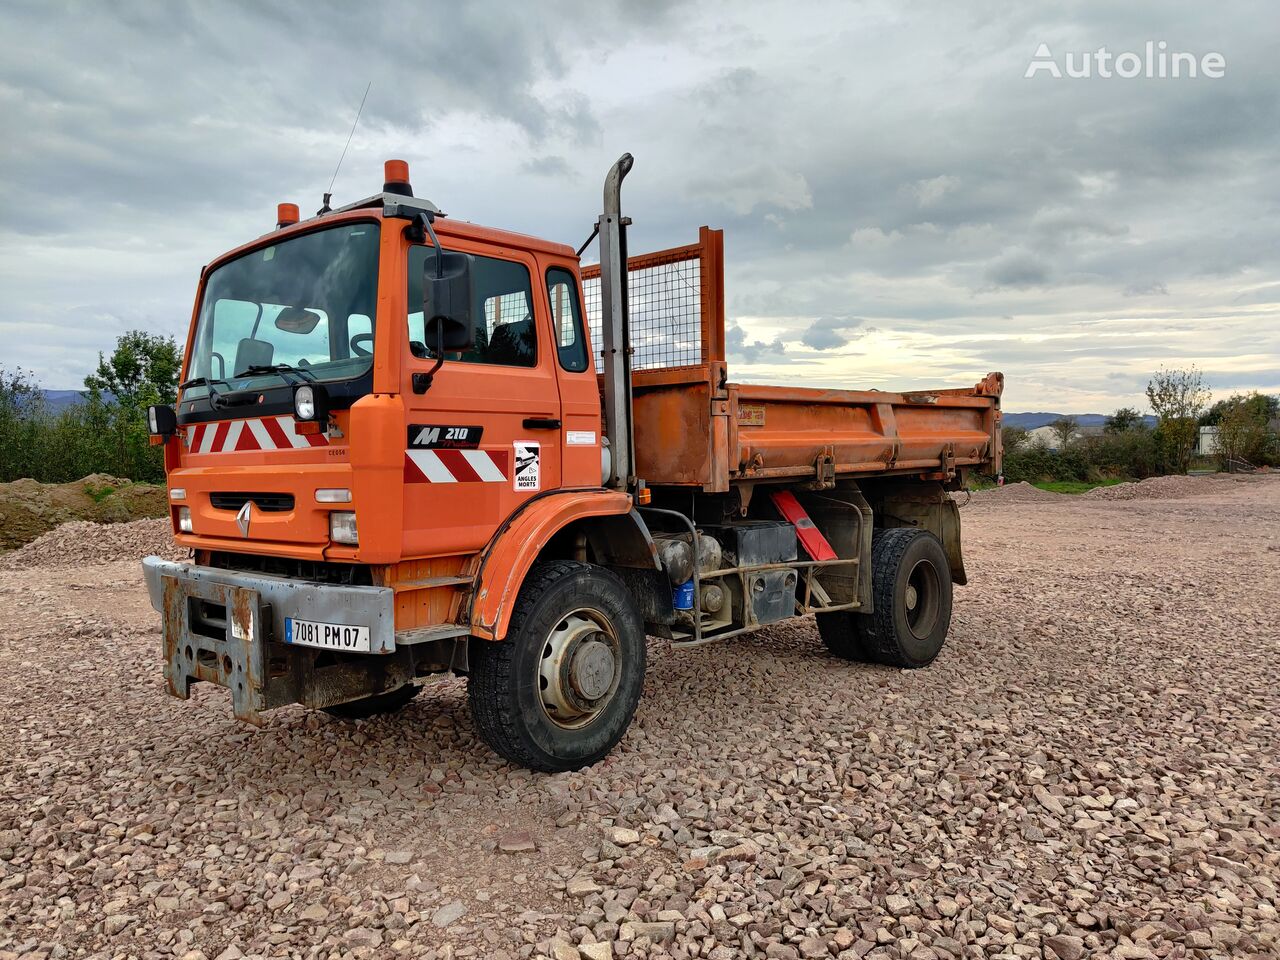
column 682, row 595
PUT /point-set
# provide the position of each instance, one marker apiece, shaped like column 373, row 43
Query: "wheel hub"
column 921, row 599
column 579, row 669
column 591, row 670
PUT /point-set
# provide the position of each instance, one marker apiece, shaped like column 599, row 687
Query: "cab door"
column 484, row 437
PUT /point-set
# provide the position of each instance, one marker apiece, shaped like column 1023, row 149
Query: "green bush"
column 1122, row 454
column 97, row 435
column 1036, row 463
column 21, row 414
column 1128, row 454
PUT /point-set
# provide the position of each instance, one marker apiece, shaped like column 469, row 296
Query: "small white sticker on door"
column 528, row 462
column 580, row 438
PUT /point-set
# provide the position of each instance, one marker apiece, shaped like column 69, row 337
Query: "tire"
column 376, row 705
column 839, row 631
column 549, row 697
column 912, row 594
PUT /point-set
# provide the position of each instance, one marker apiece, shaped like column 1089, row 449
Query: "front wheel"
column 559, row 691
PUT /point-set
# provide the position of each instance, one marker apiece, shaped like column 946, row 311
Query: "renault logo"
column 244, row 517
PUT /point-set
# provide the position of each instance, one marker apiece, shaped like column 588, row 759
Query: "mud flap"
column 929, row 509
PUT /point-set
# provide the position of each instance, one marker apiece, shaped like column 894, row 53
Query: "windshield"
column 307, row 302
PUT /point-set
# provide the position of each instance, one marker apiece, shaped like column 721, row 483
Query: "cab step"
column 439, row 631
column 430, row 583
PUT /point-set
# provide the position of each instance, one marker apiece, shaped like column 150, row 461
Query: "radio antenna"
column 329, row 195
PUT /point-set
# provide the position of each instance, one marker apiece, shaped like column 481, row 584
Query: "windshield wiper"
column 280, row 368
column 215, row 398
column 202, row 382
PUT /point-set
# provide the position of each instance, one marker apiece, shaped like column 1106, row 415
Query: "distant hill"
column 57, row 399
column 1029, row 421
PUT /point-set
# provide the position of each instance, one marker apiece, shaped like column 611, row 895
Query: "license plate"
column 330, row 636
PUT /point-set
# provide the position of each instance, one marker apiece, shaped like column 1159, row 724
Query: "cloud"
column 738, row 347
column 927, row 192
column 829, row 333
column 823, row 338
column 1152, row 288
column 747, row 188
column 1018, row 269
column 552, row 166
column 875, row 161
column 1267, row 293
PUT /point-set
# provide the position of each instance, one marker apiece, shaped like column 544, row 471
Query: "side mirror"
column 446, row 301
column 162, row 420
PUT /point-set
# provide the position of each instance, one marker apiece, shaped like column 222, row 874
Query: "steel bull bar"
column 228, row 628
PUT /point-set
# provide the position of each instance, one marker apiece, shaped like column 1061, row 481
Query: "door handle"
column 541, row 423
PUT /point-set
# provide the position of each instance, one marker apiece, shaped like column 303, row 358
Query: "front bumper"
column 227, row 627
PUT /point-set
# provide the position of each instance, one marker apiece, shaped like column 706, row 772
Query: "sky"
column 903, row 207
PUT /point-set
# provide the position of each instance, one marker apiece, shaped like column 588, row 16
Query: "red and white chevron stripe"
column 455, row 466
column 256, row 433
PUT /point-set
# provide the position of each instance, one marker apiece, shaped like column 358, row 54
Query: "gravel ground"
column 1089, row 769
column 82, row 542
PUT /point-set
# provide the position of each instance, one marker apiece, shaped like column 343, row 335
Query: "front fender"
column 516, row 545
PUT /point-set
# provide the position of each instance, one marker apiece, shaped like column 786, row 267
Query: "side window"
column 566, row 319
column 506, row 333
column 360, row 335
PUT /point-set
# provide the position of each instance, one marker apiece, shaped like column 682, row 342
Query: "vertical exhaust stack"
column 616, row 327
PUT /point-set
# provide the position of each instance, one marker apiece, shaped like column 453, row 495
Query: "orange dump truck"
column 407, row 445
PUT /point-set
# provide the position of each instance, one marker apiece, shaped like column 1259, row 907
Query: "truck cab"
column 396, row 453
column 387, row 466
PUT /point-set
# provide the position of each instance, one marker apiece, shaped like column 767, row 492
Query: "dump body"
column 694, row 428
column 693, row 434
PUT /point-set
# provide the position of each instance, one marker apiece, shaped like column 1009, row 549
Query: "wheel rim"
column 579, row 670
column 923, row 599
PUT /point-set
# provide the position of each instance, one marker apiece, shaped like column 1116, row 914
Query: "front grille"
column 320, row 571
column 266, row 502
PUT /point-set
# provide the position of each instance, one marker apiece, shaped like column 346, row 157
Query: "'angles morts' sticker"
column 424, row 436
column 528, row 462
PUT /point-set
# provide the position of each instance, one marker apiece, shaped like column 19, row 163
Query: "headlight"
column 184, row 520
column 304, row 403
column 342, row 527
column 311, row 403
column 178, row 493
column 333, row 495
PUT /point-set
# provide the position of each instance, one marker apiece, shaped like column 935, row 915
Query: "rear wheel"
column 559, row 692
column 839, row 631
column 911, row 589
column 373, row 706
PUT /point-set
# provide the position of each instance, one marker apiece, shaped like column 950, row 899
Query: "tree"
column 1064, row 428
column 1012, row 438
column 1123, row 420
column 1178, row 397
column 1242, row 430
column 142, row 369
column 21, row 410
column 1260, row 405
